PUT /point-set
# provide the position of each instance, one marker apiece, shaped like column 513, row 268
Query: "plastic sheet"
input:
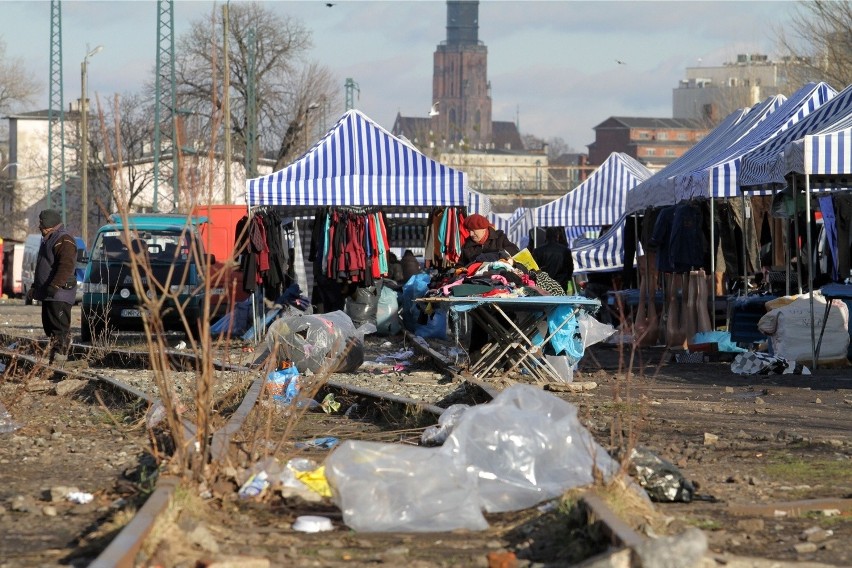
column 389, row 487
column 527, row 446
column 312, row 341
column 437, row 435
column 591, row 330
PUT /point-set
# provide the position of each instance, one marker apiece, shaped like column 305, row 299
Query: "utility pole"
column 56, row 113
column 165, row 100
column 226, row 95
column 251, row 110
column 351, row 86
column 84, row 143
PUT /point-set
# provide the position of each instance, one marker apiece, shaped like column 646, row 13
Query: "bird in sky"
column 620, row 62
column 329, row 4
column 434, row 110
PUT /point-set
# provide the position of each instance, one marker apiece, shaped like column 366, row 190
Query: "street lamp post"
column 84, row 146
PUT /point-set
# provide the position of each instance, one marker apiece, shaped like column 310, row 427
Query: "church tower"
column 460, row 80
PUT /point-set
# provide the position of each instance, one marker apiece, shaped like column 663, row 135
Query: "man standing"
column 54, row 283
column 554, row 257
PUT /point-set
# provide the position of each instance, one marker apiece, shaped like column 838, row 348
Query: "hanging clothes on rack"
column 444, row 237
column 350, row 244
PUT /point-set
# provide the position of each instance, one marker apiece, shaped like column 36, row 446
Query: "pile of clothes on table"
column 499, row 278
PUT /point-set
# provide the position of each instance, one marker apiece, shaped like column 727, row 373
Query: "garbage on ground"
column 312, row 524
column 401, row 355
column 80, row 497
column 525, row 447
column 757, row 363
column 7, row 424
column 312, row 342
column 662, row 480
column 390, row 487
column 437, row 435
column 255, row 485
column 329, row 404
column 283, row 384
column 325, row 443
column 156, row 413
column 315, row 480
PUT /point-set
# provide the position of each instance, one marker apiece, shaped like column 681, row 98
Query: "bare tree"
column 120, row 151
column 17, row 86
column 817, row 43
column 556, row 146
column 284, row 83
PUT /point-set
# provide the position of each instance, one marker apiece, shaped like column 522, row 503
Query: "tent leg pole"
column 713, row 259
column 745, row 232
column 811, row 263
column 796, row 235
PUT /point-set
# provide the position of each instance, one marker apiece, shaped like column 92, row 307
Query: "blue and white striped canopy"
column 603, row 254
column 599, row 200
column 719, row 176
column 658, row 190
column 360, row 163
column 766, row 166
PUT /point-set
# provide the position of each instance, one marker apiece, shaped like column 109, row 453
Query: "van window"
column 157, row 246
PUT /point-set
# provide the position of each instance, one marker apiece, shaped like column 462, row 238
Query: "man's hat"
column 49, row 218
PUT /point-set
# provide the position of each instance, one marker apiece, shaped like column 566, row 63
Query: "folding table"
column 512, row 335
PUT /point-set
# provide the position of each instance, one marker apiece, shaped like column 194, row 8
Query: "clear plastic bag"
column 313, row 341
column 591, row 330
column 390, row 487
column 437, row 435
column 387, row 312
column 527, row 446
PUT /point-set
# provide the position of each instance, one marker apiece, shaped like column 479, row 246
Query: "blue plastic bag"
column 288, row 384
column 415, row 288
column 435, row 327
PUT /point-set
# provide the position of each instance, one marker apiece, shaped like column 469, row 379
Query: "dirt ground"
column 749, row 444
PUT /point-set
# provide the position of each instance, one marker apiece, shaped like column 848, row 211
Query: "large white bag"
column 789, row 327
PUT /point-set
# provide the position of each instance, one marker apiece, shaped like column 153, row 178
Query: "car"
column 173, row 253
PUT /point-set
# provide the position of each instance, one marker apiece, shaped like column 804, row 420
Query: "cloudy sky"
column 552, row 65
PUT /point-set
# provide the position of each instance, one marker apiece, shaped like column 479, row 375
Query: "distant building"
column 654, row 142
column 709, row 94
column 460, row 130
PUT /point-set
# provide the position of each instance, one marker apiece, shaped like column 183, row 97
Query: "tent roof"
column 359, row 163
column 658, row 190
column 766, row 166
column 719, row 176
column 599, row 200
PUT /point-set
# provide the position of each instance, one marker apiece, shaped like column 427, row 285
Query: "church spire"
column 462, row 22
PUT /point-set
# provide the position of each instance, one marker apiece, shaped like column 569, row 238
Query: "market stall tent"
column 359, row 163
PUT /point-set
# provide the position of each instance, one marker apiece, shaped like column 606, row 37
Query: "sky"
column 553, row 65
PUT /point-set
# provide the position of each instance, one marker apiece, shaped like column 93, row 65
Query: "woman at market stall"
column 485, row 243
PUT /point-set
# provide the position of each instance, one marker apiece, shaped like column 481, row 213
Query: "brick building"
column 655, row 142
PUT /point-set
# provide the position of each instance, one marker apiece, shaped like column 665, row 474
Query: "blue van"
column 171, row 257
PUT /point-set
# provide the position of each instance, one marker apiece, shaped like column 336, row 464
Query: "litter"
column 312, row 524
column 7, row 425
column 401, row 355
column 80, row 497
column 325, row 443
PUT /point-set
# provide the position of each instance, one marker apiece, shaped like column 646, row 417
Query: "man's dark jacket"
column 555, row 259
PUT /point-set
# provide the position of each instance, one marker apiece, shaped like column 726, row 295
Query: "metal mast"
column 56, row 114
column 165, row 103
column 351, row 86
column 251, row 110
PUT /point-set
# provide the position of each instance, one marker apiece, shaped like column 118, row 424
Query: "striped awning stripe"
column 766, row 167
column 599, row 200
column 360, row 163
column 719, row 176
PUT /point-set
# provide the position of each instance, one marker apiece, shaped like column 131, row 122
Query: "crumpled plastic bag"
column 661, row 479
column 437, row 435
column 314, row 341
column 526, row 446
column 390, row 487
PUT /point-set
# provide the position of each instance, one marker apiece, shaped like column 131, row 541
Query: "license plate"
column 131, row 314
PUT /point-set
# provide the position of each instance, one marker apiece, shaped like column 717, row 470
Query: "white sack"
column 790, row 329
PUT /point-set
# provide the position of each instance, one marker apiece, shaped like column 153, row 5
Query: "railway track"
column 242, row 411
